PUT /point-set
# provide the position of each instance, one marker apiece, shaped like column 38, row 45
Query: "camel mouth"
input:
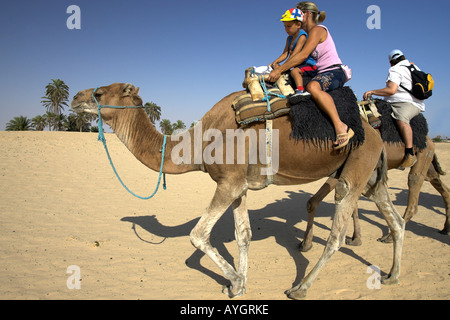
column 82, row 107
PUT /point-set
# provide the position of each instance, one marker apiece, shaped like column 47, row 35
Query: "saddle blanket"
column 248, row 111
column 389, row 130
column 309, row 123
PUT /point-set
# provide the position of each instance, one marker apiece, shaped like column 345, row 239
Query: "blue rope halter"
column 101, row 137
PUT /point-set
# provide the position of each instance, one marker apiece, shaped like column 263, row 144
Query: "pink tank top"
column 326, row 55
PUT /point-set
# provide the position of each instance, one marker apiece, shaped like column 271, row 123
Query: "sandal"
column 347, row 136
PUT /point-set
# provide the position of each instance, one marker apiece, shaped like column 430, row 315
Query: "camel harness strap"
column 101, row 137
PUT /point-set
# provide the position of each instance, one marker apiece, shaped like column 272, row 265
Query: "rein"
column 101, row 137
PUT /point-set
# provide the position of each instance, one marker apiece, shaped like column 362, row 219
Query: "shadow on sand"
column 432, row 202
column 291, row 211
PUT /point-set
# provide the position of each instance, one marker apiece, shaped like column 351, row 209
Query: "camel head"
column 116, row 94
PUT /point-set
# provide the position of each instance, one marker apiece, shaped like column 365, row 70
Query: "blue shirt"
column 309, row 60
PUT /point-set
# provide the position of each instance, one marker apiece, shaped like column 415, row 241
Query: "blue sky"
column 187, row 55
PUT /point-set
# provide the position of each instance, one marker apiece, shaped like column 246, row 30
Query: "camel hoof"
column 228, row 290
column 389, row 280
column 354, row 242
column 296, row 294
column 445, row 232
column 305, row 247
column 386, row 239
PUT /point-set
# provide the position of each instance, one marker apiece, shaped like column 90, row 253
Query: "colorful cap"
column 293, row 14
column 395, row 54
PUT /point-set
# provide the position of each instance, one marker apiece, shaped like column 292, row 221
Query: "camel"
column 362, row 170
column 427, row 168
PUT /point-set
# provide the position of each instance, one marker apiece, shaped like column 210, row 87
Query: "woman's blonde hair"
column 318, row 16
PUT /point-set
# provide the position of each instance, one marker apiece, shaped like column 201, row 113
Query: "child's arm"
column 300, row 43
column 283, row 56
column 315, row 35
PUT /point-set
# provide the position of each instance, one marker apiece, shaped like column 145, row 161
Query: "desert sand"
column 61, row 205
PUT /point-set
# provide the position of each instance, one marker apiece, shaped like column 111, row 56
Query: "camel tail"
column 382, row 169
column 382, row 172
column 437, row 166
column 381, row 175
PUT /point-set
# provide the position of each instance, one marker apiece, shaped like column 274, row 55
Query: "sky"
column 187, row 55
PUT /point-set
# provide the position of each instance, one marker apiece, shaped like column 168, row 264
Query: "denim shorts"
column 330, row 80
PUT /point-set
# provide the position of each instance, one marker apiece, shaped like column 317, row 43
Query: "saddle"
column 248, row 111
column 263, row 101
column 309, row 123
column 389, row 130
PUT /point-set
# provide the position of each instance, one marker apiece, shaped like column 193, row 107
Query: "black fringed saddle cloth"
column 389, row 130
column 309, row 123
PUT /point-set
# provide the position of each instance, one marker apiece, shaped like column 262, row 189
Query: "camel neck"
column 134, row 129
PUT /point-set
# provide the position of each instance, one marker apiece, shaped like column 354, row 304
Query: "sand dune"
column 62, row 206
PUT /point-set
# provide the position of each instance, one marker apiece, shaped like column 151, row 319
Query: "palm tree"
column 49, row 118
column 38, row 123
column 19, row 123
column 153, row 111
column 59, row 121
column 166, row 126
column 90, row 117
column 56, row 96
column 77, row 122
column 81, row 121
column 178, row 126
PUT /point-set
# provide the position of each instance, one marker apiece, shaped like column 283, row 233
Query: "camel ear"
column 128, row 90
column 136, row 99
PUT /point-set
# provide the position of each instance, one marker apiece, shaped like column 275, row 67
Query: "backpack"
column 422, row 84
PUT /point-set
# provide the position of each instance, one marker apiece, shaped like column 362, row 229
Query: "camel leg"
column 416, row 178
column 434, row 177
column 346, row 198
column 311, row 206
column 224, row 196
column 397, row 229
column 243, row 234
column 356, row 238
column 358, row 175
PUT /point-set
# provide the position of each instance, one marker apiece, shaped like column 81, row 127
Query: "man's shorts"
column 404, row 111
column 330, row 80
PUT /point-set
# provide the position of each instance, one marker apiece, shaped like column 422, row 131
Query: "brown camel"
column 298, row 163
column 427, row 168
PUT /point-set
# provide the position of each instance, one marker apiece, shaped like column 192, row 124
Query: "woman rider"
column 321, row 47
